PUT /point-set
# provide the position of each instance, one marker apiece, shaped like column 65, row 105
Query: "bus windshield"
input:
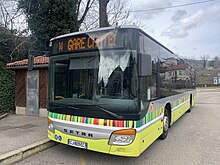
column 97, row 84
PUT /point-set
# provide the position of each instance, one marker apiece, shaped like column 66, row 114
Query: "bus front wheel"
column 165, row 125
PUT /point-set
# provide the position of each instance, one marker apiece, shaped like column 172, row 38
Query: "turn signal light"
column 125, row 132
column 49, row 120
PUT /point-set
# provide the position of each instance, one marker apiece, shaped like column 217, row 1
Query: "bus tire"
column 165, row 125
column 189, row 110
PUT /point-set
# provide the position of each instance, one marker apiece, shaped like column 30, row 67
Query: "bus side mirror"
column 145, row 65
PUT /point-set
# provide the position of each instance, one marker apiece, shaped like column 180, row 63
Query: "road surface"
column 193, row 140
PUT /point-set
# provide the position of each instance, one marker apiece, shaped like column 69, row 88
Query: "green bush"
column 7, row 91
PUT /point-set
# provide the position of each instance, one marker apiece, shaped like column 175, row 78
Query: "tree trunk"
column 103, row 17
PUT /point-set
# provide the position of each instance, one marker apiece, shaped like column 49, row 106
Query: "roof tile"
column 39, row 60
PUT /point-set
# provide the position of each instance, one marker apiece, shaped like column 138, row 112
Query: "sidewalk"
column 19, row 132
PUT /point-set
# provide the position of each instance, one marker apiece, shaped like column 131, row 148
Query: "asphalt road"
column 193, row 140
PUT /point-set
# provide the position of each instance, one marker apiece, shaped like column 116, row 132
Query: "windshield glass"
column 96, row 81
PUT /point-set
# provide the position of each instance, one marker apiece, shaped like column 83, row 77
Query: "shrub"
column 7, row 91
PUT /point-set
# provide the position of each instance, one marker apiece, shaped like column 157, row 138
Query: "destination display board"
column 89, row 41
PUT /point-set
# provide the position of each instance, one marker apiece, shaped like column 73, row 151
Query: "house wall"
column 43, row 91
column 20, row 91
column 43, row 87
column 21, row 87
column 32, row 93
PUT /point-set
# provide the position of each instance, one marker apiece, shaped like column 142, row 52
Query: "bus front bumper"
column 99, row 145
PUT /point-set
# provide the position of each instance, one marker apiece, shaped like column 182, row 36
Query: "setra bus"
column 115, row 90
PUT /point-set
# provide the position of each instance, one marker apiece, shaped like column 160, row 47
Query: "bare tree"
column 14, row 26
column 216, row 62
column 83, row 8
column 117, row 13
column 11, row 18
column 204, row 58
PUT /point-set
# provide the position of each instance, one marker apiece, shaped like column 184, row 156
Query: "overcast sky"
column 189, row 31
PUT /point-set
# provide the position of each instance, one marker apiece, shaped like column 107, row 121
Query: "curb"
column 24, row 152
column 3, row 116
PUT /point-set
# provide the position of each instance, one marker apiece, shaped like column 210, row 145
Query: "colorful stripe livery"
column 106, row 122
column 151, row 115
column 180, row 101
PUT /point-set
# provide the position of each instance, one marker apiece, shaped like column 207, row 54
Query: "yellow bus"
column 115, row 90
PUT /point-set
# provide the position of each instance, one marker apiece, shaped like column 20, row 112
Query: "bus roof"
column 95, row 30
column 111, row 28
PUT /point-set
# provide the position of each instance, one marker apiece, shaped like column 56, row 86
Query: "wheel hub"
column 165, row 123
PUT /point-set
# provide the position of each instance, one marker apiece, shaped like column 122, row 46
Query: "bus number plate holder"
column 76, row 143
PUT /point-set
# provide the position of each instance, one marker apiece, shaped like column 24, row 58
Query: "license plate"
column 78, row 144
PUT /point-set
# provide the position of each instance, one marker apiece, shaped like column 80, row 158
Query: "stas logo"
column 58, row 137
column 79, row 133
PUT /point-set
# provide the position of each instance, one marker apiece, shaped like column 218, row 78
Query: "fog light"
column 51, row 127
column 122, row 137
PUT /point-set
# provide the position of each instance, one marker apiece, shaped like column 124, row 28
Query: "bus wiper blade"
column 65, row 106
column 81, row 108
column 110, row 113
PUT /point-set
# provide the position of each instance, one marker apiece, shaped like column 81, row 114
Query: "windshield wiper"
column 84, row 107
column 65, row 106
column 103, row 109
column 109, row 112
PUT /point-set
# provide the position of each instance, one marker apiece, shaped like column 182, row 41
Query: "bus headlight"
column 50, row 125
column 122, row 137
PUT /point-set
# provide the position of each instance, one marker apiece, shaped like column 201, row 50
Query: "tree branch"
column 78, row 7
column 88, row 6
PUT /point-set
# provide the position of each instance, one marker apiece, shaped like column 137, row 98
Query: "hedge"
column 7, row 91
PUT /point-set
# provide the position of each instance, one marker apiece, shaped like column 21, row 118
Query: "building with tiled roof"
column 31, row 86
column 179, row 72
column 177, row 67
column 41, row 61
